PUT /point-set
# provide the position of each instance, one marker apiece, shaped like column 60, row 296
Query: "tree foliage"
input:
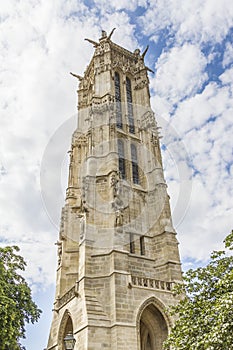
column 16, row 304
column 205, row 311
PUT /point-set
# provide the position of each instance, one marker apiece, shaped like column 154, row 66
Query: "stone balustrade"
column 67, row 297
column 151, row 283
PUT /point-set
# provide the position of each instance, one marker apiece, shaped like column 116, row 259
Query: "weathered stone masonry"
column 117, row 250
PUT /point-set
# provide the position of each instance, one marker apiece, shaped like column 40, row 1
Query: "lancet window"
column 134, row 162
column 121, row 159
column 129, row 105
column 118, row 100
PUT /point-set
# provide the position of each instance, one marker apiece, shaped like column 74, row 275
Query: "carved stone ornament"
column 114, row 183
column 59, row 251
column 82, row 227
column 148, row 121
column 117, row 204
column 119, row 218
column 85, row 186
column 64, row 215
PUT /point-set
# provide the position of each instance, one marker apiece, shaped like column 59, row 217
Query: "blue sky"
column 191, row 52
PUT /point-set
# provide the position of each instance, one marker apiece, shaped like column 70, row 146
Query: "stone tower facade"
column 117, row 250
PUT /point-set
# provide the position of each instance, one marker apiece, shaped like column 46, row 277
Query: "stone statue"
column 59, row 251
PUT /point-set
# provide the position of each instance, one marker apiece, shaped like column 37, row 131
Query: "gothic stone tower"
column 117, row 251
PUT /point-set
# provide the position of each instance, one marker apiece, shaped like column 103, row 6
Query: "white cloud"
column 227, row 77
column 124, row 30
column 116, row 5
column 206, row 222
column 204, row 124
column 195, row 111
column 180, row 73
column 228, row 55
column 38, row 50
column 195, row 21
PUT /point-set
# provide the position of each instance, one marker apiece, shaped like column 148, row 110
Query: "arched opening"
column 66, row 327
column 153, row 329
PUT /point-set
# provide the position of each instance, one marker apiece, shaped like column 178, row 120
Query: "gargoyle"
column 94, row 43
column 77, row 76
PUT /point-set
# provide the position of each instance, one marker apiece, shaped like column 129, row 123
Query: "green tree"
column 16, row 305
column 205, row 311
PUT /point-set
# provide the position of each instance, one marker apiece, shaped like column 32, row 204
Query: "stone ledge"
column 150, row 283
column 69, row 295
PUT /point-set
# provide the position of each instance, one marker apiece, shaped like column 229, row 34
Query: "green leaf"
column 204, row 316
column 16, row 304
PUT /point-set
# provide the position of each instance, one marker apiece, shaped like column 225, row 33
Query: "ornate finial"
column 109, row 37
column 77, row 76
column 145, row 51
column 94, row 43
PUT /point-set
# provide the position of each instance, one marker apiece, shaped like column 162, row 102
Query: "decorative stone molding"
column 71, row 192
column 64, row 216
column 148, row 121
column 59, row 251
column 152, row 283
column 79, row 139
column 72, row 293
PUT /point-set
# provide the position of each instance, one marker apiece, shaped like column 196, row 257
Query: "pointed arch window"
column 134, row 162
column 121, row 159
column 65, row 330
column 118, row 100
column 129, row 105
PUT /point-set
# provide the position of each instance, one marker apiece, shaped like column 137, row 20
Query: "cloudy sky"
column 191, row 52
